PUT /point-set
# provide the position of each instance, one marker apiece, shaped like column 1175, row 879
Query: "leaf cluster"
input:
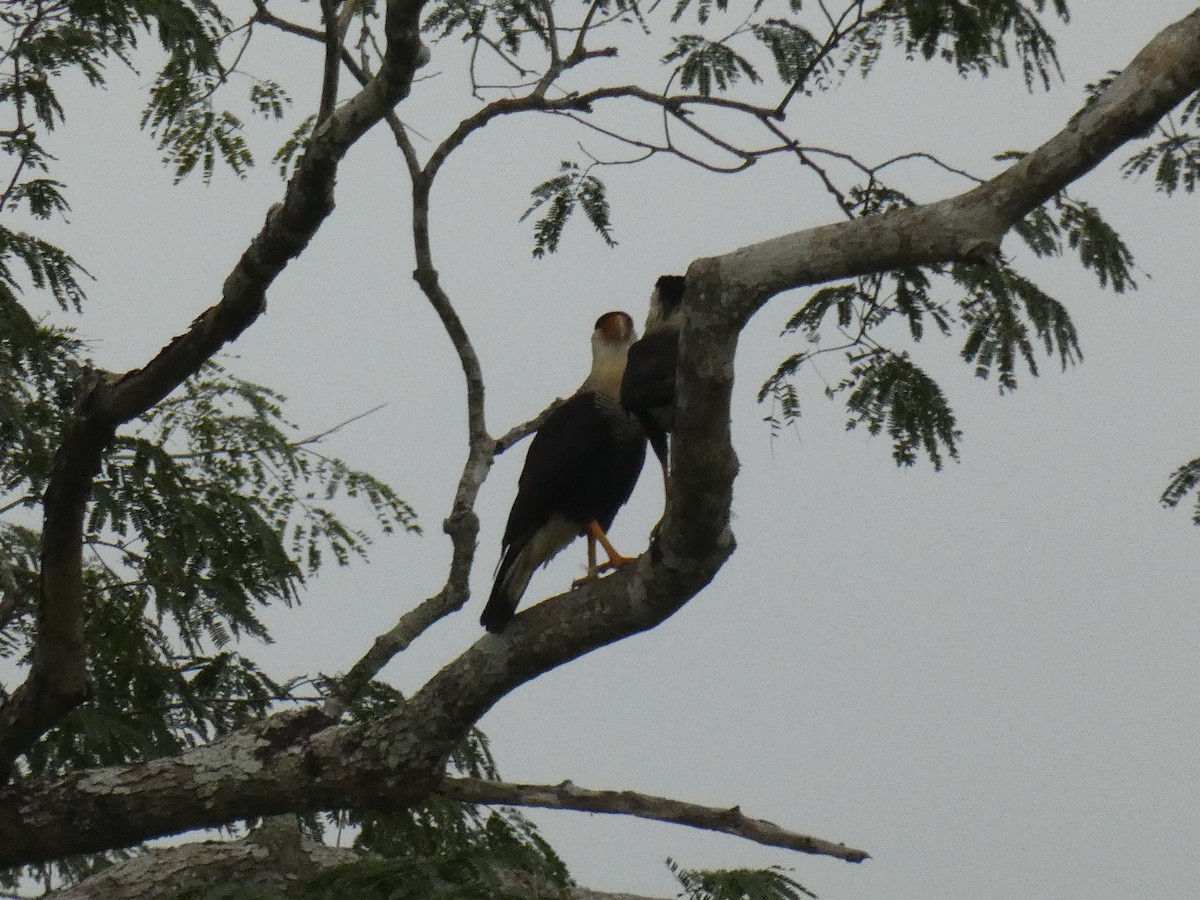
column 207, row 510
column 511, row 20
column 975, row 36
column 572, row 188
column 1183, row 481
column 1006, row 320
column 738, row 884
column 1174, row 156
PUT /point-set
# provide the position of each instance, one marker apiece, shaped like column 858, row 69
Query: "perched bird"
column 648, row 386
column 580, row 469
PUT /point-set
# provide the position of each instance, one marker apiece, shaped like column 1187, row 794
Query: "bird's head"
column 614, row 329
column 665, row 301
column 611, row 341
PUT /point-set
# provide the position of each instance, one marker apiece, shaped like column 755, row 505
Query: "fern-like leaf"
column 889, row 393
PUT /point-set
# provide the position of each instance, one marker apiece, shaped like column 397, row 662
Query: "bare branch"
column 837, row 32
column 454, row 592
column 643, row 806
column 583, row 28
column 333, row 52
column 927, row 157
column 321, row 435
column 519, row 432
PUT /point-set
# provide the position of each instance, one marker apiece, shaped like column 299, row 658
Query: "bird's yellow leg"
column 592, row 573
column 615, row 559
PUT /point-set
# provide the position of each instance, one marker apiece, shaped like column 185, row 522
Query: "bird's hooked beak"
column 615, row 328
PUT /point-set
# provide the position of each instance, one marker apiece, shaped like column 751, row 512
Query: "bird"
column 648, row 385
column 580, row 469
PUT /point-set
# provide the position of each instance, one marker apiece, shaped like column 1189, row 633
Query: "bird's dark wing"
column 649, row 380
column 579, row 460
column 581, row 466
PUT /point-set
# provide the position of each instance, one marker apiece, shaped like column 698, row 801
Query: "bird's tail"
column 512, row 577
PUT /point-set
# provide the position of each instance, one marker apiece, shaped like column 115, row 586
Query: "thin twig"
column 316, row 438
column 518, row 433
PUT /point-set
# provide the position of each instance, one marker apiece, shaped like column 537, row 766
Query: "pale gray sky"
column 987, row 677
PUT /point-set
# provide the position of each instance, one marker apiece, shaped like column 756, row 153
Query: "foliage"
column 1006, row 318
column 212, row 506
column 560, row 195
column 209, row 507
column 1182, row 482
column 738, row 884
column 207, row 510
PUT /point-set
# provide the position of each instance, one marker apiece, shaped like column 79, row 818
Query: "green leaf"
column 48, row 267
column 269, row 98
column 294, row 146
column 888, row 392
column 738, row 884
column 706, row 63
column 1182, row 482
column 795, row 51
column 999, row 310
column 809, row 317
column 976, row 36
column 560, row 195
column 1175, row 160
column 1099, row 246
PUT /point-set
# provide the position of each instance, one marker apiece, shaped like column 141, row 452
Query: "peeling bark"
column 274, row 857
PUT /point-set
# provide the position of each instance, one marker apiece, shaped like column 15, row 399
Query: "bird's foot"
column 615, row 562
column 586, row 579
column 596, row 573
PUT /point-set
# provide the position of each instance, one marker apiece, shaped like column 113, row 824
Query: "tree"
column 156, row 452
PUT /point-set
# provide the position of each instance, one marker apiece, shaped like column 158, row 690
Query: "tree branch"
column 970, row 226
column 272, row 856
column 57, row 680
column 275, row 857
column 333, row 53
column 519, row 432
column 290, row 763
column 643, row 806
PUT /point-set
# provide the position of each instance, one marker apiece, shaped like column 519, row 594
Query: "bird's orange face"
column 615, row 328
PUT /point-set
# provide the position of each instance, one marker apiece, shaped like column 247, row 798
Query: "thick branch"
column 275, row 857
column 271, row 857
column 971, row 225
column 643, row 806
column 282, row 765
column 57, row 680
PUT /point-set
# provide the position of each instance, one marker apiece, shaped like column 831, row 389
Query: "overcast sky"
column 986, row 677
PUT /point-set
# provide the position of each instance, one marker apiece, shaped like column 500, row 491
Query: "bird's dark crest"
column 670, row 292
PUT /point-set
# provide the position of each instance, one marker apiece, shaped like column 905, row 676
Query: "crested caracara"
column 580, row 469
column 648, row 387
